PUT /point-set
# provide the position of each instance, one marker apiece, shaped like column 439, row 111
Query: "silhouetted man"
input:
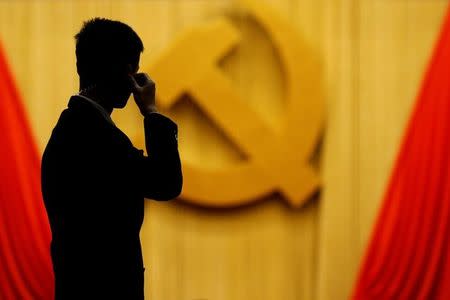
column 94, row 181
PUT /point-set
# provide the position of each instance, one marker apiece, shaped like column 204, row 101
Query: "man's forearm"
column 163, row 158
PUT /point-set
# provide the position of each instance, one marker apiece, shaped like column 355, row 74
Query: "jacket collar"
column 75, row 99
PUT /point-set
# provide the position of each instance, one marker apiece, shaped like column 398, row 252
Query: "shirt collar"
column 100, row 108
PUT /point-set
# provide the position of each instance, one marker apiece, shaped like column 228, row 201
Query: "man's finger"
column 147, row 77
column 143, row 79
column 134, row 85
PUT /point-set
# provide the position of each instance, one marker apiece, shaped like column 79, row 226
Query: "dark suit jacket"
column 94, row 182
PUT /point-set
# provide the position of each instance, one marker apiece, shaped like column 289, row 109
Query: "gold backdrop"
column 374, row 53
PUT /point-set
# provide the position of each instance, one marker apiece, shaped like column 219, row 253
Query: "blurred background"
column 372, row 56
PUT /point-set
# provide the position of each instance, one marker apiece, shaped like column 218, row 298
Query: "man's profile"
column 94, row 180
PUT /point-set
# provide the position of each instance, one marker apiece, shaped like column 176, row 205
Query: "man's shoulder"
column 79, row 115
column 75, row 125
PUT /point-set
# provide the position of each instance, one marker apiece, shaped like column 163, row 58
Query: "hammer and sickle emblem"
column 277, row 162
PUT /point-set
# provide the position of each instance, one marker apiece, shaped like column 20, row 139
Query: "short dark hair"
column 104, row 48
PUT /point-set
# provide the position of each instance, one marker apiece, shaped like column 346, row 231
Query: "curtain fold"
column 408, row 255
column 25, row 264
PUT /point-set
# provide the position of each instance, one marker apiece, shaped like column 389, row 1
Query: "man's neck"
column 97, row 97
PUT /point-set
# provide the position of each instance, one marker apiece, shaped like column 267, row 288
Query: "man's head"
column 107, row 53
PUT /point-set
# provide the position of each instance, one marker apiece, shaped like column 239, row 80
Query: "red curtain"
column 409, row 254
column 25, row 265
